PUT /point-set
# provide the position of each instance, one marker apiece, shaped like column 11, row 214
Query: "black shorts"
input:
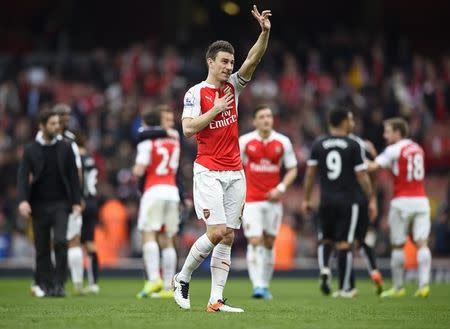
column 363, row 222
column 90, row 220
column 338, row 221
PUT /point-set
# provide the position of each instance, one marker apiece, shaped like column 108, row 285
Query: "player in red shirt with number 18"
column 409, row 205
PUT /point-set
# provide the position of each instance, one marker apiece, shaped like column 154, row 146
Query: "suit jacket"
column 32, row 165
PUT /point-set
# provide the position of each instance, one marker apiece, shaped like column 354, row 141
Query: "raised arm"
column 259, row 48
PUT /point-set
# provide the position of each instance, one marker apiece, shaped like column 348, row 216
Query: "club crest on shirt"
column 206, row 213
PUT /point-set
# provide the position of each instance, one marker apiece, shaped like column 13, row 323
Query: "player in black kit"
column 90, row 215
column 341, row 164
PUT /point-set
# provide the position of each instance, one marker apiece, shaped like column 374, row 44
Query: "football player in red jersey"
column 157, row 162
column 409, row 206
column 210, row 113
column 263, row 152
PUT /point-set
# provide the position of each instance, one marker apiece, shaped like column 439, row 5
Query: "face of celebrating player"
column 263, row 121
column 221, row 67
column 167, row 120
column 390, row 135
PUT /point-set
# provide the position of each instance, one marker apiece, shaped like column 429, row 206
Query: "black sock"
column 324, row 253
column 345, row 268
column 93, row 268
column 369, row 255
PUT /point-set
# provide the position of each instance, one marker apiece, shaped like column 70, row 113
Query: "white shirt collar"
column 40, row 139
column 267, row 139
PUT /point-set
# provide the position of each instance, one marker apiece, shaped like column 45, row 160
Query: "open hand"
column 224, row 103
column 263, row 18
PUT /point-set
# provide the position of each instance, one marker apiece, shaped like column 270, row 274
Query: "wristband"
column 281, row 187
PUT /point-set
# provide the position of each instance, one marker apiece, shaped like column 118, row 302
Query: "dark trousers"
column 48, row 217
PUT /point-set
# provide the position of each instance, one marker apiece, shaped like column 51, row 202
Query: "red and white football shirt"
column 405, row 159
column 218, row 147
column 262, row 160
column 161, row 156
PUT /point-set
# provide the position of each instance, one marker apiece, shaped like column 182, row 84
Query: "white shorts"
column 154, row 213
column 262, row 216
column 74, row 224
column 409, row 214
column 219, row 196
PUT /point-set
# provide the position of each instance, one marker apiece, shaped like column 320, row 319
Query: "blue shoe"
column 258, row 293
column 267, row 295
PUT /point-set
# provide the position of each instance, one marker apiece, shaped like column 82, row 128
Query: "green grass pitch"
column 297, row 303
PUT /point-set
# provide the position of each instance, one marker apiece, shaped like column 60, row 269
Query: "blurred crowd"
column 107, row 91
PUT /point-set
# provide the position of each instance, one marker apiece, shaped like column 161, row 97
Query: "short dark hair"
column 259, row 108
column 219, row 45
column 45, row 115
column 152, row 115
column 337, row 116
column 398, row 124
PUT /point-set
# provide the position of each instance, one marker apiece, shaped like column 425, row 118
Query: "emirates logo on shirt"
column 206, row 213
column 226, row 114
column 215, row 124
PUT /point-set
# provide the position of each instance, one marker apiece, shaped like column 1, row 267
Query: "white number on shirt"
column 415, row 170
column 334, row 165
column 167, row 161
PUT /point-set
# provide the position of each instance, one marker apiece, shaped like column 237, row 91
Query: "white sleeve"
column 289, row 158
column 144, row 151
column 76, row 153
column 191, row 103
column 387, row 157
column 238, row 82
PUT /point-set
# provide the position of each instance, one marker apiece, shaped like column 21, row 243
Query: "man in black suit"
column 49, row 189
